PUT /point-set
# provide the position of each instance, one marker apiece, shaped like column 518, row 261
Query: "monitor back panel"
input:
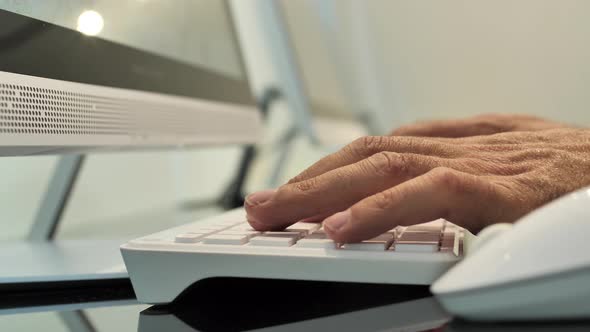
column 40, row 115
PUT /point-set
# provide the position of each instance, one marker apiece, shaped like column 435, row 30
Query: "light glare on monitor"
column 90, row 23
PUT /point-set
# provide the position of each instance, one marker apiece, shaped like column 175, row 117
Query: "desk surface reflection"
column 273, row 305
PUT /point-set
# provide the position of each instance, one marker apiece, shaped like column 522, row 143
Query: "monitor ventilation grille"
column 26, row 109
column 33, row 110
column 44, row 115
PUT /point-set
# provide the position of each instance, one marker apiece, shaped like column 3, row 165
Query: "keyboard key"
column 417, row 241
column 292, row 235
column 379, row 243
column 317, row 235
column 226, row 239
column 419, row 236
column 268, row 241
column 316, row 243
column 189, row 237
column 249, row 234
column 305, row 227
column 447, row 243
column 433, row 226
column 206, row 229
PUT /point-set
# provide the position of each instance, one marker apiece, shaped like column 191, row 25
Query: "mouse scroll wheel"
column 488, row 234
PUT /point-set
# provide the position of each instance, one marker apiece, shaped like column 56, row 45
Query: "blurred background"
column 366, row 67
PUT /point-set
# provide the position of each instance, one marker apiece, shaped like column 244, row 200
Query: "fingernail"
column 259, row 197
column 337, row 220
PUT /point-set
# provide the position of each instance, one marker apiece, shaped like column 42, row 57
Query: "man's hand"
column 377, row 183
column 486, row 124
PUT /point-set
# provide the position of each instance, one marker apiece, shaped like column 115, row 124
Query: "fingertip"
column 334, row 235
column 256, row 207
column 360, row 223
column 259, row 197
column 255, row 224
column 250, row 216
column 263, row 226
column 252, row 219
column 335, row 226
column 336, row 221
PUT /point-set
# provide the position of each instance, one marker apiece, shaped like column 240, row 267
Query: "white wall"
column 442, row 59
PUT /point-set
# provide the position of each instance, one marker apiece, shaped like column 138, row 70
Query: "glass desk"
column 225, row 304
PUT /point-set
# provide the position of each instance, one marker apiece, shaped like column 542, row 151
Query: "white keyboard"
column 162, row 265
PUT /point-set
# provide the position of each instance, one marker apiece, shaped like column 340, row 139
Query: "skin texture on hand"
column 485, row 124
column 377, row 183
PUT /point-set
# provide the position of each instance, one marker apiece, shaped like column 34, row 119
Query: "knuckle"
column 450, row 180
column 355, row 149
column 375, row 143
column 306, row 185
column 387, row 163
column 297, row 178
column 368, row 145
column 384, row 199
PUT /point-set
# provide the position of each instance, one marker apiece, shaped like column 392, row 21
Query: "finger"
column 428, row 129
column 467, row 200
column 338, row 189
column 367, row 146
column 452, row 128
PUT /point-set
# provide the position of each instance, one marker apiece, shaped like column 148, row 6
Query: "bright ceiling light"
column 90, row 23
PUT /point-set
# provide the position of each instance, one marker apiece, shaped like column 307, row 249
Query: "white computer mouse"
column 538, row 268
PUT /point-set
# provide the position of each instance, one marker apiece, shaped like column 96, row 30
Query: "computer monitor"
column 122, row 74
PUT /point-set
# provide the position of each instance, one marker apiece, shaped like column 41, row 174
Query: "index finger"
column 337, row 189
